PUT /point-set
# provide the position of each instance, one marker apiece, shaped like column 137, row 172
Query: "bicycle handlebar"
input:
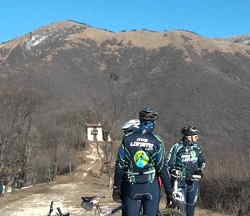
column 58, row 209
column 194, row 177
column 60, row 212
column 92, row 199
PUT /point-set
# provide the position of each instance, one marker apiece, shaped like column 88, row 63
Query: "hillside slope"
column 186, row 77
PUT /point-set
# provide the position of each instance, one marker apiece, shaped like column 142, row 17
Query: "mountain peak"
column 70, row 33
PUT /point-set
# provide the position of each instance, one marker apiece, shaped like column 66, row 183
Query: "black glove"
column 199, row 172
column 116, row 195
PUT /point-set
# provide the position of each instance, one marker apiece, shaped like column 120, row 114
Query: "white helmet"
column 131, row 125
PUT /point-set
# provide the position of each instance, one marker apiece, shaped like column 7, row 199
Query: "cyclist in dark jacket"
column 130, row 127
column 187, row 157
column 140, row 160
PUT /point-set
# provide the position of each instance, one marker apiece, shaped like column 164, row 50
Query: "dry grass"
column 181, row 40
column 91, row 33
column 202, row 212
column 226, row 184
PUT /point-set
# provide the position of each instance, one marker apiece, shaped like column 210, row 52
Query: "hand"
column 199, row 172
column 176, row 172
column 116, row 195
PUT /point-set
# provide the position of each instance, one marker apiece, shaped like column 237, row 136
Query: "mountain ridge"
column 70, row 23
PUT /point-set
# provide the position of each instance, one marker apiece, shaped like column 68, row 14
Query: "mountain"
column 188, row 78
column 244, row 39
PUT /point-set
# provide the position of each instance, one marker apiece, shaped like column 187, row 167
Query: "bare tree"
column 17, row 107
column 110, row 110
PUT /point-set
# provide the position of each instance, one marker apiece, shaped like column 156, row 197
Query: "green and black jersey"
column 187, row 157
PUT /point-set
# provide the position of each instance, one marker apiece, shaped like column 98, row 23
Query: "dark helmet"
column 148, row 114
column 190, row 131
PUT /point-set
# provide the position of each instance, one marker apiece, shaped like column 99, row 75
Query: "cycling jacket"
column 140, row 159
column 186, row 156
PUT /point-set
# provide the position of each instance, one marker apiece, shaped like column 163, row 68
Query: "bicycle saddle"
column 88, row 198
column 88, row 202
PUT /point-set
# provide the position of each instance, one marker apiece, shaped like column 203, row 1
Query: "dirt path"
column 65, row 193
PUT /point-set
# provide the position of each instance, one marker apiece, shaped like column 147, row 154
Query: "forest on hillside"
column 37, row 146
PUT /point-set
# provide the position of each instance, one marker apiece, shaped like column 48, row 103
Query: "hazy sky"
column 211, row 18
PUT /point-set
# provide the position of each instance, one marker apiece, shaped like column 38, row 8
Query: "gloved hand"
column 116, row 195
column 199, row 172
column 176, row 172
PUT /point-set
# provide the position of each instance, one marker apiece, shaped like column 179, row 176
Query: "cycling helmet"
column 148, row 114
column 190, row 131
column 130, row 126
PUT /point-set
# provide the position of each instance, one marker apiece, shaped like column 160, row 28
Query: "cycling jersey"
column 186, row 156
column 141, row 157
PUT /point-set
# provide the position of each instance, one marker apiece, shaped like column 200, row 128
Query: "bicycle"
column 58, row 211
column 178, row 202
column 93, row 202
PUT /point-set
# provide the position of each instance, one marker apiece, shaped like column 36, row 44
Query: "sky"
column 209, row 18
